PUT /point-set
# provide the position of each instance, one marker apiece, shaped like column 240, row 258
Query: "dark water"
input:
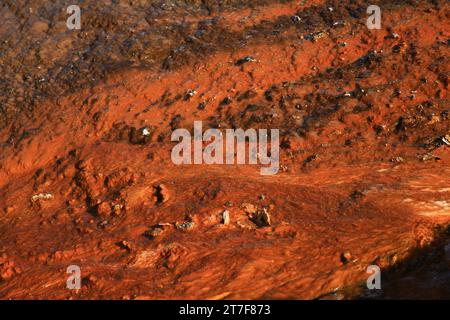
column 428, row 280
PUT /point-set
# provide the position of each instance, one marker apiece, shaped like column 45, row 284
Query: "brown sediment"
column 364, row 169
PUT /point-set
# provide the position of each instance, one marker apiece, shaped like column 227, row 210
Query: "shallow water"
column 431, row 281
column 426, row 282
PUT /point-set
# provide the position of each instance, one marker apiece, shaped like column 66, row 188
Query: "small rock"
column 434, row 119
column 125, row 245
column 146, row 131
column 315, row 36
column 296, row 18
column 190, row 94
column 8, row 268
column 339, row 24
column 244, row 60
column 397, row 160
column 157, row 230
column 347, row 257
column 117, row 209
column 446, row 139
column 428, row 157
column 185, row 226
column 262, row 218
column 225, row 217
column 226, row 101
column 380, row 128
column 201, row 106
column 311, row 158
column 141, row 136
column 41, row 196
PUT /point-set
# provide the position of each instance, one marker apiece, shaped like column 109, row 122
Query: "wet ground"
column 364, row 123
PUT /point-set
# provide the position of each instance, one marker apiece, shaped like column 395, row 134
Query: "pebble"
column 146, row 131
column 245, row 60
column 186, row 226
column 125, row 245
column 347, row 257
column 262, row 218
column 41, row 196
column 315, row 36
column 157, row 230
column 225, row 217
column 397, row 160
column 201, row 106
column 190, row 94
column 117, row 208
column 296, row 18
column 428, row 157
column 446, row 139
column 226, row 101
